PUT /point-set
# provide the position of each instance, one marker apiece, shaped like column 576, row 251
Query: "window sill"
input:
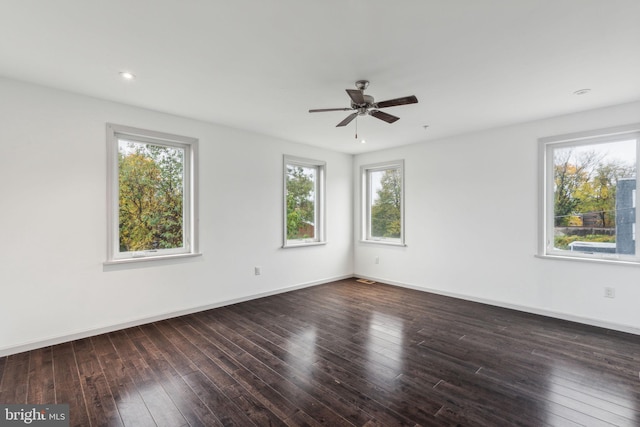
column 149, row 258
column 384, row 242
column 610, row 261
column 302, row 244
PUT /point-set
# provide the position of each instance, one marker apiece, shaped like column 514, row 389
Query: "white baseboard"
column 533, row 310
column 85, row 333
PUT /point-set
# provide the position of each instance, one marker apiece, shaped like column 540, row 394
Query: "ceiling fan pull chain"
column 356, row 127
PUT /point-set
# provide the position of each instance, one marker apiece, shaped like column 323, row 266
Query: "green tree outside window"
column 150, row 180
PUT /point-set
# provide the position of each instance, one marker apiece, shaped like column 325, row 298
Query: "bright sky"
column 624, row 151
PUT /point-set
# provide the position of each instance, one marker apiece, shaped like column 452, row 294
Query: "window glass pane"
column 594, row 198
column 385, row 196
column 301, row 202
column 150, row 196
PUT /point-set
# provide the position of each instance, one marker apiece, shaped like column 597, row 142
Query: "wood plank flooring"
column 343, row 353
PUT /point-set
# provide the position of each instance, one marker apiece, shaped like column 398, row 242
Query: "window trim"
column 546, row 190
column 190, row 194
column 320, row 205
column 365, row 196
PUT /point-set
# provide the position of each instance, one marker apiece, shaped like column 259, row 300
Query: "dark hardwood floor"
column 343, row 353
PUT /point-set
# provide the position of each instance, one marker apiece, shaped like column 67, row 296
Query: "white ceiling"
column 260, row 65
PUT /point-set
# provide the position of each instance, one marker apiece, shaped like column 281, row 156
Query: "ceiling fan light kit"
column 362, row 105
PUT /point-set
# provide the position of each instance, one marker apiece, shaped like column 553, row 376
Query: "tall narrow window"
column 589, row 194
column 383, row 202
column 151, row 193
column 303, row 201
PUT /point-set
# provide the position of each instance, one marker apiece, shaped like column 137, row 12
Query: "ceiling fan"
column 365, row 104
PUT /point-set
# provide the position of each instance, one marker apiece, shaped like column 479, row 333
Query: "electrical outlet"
column 257, row 271
column 377, row 260
column 609, row 292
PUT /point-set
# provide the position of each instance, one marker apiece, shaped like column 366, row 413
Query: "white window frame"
column 546, row 190
column 365, row 193
column 319, row 191
column 116, row 132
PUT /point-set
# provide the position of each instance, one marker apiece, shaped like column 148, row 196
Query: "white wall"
column 472, row 226
column 471, row 222
column 53, row 285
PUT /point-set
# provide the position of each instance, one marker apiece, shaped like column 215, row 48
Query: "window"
column 152, row 202
column 589, row 194
column 383, row 203
column 303, row 201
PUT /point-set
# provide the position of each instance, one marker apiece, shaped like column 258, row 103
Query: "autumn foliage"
column 151, row 198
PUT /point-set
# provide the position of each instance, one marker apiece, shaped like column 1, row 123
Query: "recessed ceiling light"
column 363, row 142
column 582, row 92
column 126, row 75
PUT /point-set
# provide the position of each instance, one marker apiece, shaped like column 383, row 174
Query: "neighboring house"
column 626, row 216
column 306, row 231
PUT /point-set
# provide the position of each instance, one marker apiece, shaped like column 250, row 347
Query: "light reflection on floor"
column 572, row 387
column 301, row 353
column 385, row 340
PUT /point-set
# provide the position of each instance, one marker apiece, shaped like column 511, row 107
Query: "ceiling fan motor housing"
column 368, row 103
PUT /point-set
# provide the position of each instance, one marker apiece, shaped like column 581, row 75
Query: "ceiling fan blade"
column 320, row 110
column 347, row 120
column 383, row 116
column 356, row 96
column 397, row 101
